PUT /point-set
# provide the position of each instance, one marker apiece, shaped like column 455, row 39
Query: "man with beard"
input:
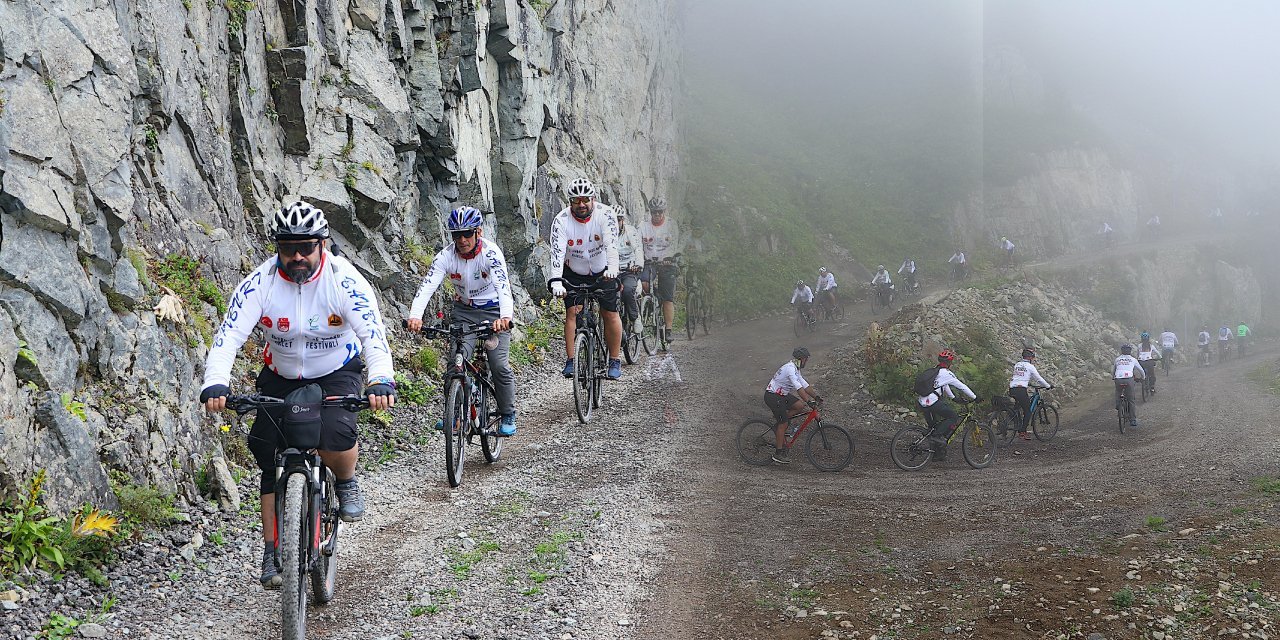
column 584, row 251
column 322, row 326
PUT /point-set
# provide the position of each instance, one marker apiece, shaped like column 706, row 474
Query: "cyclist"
column 1107, row 233
column 958, row 264
column 698, row 256
column 478, row 271
column 584, row 251
column 1024, row 374
column 1243, row 334
column 1202, row 341
column 1224, row 342
column 1125, row 370
column 786, row 394
column 1153, row 225
column 881, row 282
column 1008, row 250
column 1148, row 356
column 827, row 287
column 938, row 414
column 802, row 299
column 661, row 238
column 1168, row 342
column 909, row 266
column 630, row 263
column 321, row 323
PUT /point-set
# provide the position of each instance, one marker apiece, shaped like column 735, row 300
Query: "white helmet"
column 880, row 267
column 657, row 203
column 620, row 210
column 299, row 220
column 581, row 188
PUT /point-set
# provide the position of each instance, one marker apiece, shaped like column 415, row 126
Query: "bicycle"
column 1124, row 408
column 830, row 311
column 1148, row 385
column 806, row 321
column 911, row 451
column 882, row 296
column 828, row 447
column 1204, row 357
column 1166, row 360
column 470, row 399
column 306, row 519
column 632, row 341
column 1044, row 417
column 590, row 357
column 655, row 338
column 913, row 287
column 697, row 306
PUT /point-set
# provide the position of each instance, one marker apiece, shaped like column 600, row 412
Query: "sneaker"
column 615, row 369
column 439, row 424
column 568, row 368
column 350, row 501
column 270, row 577
column 780, row 456
column 1133, row 423
column 508, row 426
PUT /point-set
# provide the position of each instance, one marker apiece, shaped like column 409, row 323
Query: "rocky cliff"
column 143, row 142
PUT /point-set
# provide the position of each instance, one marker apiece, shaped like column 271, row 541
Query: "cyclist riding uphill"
column 322, row 326
column 661, row 238
column 827, row 286
column 909, row 268
column 1224, row 341
column 478, row 271
column 802, row 298
column 1024, row 374
column 630, row 263
column 881, row 281
column 932, row 388
column 1168, row 342
column 1202, row 340
column 785, row 396
column 1125, row 370
column 1148, row 356
column 584, row 251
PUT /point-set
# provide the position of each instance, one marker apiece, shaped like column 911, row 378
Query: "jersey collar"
column 324, row 258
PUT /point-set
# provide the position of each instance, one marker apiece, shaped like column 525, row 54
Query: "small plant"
column 142, row 505
column 345, row 152
column 271, row 113
column 74, row 407
column 25, row 353
column 152, row 137
column 349, row 176
column 50, row 84
column 414, row 392
column 3, row 102
column 424, row 610
column 1123, row 598
column 27, row 534
column 175, row 575
column 1156, row 523
column 531, row 591
column 237, row 12
column 217, row 538
column 58, row 627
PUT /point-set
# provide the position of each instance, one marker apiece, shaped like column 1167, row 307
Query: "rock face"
column 143, row 144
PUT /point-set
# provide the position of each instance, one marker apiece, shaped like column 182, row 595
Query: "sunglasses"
column 465, row 233
column 580, row 200
column 289, row 249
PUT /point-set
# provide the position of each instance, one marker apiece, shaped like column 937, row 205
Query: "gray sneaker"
column 780, row 456
column 270, row 577
column 350, row 501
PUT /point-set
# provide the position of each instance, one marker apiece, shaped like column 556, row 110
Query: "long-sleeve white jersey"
column 630, row 250
column 907, row 265
column 803, row 294
column 1024, row 373
column 312, row 328
column 787, row 380
column 1150, row 352
column 944, row 382
column 1126, row 368
column 1202, row 338
column 826, row 281
column 586, row 248
column 662, row 241
column 882, row 276
column 1168, row 339
column 481, row 281
column 957, row 258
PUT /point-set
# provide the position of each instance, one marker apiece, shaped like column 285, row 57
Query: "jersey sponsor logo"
column 484, row 275
column 313, row 323
column 265, row 321
column 322, row 344
column 596, row 237
column 335, row 320
column 578, row 242
column 283, row 324
column 455, row 276
column 282, row 342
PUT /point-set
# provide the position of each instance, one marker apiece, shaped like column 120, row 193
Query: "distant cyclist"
column 1124, row 371
column 661, row 237
column 1108, row 234
column 938, row 414
column 959, row 264
column 1243, row 335
column 802, row 298
column 1153, row 225
column 1008, row 247
column 1224, row 342
column 630, row 264
column 785, row 396
column 827, row 287
column 908, row 270
column 1202, row 340
column 1024, row 375
column 1168, row 342
column 1148, row 355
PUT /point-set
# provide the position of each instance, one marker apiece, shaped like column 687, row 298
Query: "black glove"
column 214, row 391
column 380, row 389
column 1050, row 386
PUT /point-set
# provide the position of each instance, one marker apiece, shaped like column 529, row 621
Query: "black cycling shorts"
column 665, row 289
column 780, row 405
column 608, row 302
column 337, row 426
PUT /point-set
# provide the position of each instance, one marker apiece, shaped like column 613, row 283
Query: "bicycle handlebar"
column 243, row 404
column 458, row 330
column 588, row 289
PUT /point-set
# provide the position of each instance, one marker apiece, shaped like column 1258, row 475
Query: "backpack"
column 924, row 384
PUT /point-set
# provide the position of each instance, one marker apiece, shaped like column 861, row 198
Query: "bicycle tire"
column 755, row 442
column 648, row 330
column 583, row 372
column 704, row 315
column 1144, row 389
column 600, row 364
column 829, row 447
column 455, row 431
column 979, row 445
column 797, row 325
column 630, row 345
column 324, row 577
column 909, row 449
column 293, row 542
column 1005, row 423
column 1045, row 425
column 691, row 305
column 490, row 443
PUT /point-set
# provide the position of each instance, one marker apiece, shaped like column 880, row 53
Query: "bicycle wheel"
column 829, row 447
column 1045, row 425
column 798, row 325
column 583, row 377
column 755, row 442
column 293, row 558
column 324, row 577
column 979, row 445
column 837, row 312
column 456, row 415
column 910, row 448
column 630, row 344
column 490, row 443
column 1144, row 389
column 704, row 315
column 1164, row 366
column 600, row 365
column 691, row 305
column 1005, row 423
column 648, row 331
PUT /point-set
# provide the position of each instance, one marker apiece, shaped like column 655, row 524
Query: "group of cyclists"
column 1241, row 335
column 322, row 325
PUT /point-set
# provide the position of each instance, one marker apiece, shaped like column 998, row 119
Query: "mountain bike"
column 1124, row 408
column 913, row 287
column 1044, row 417
column 828, row 447
column 306, row 513
column 697, row 305
column 631, row 340
column 656, row 337
column 1202, row 360
column 805, row 322
column 882, row 295
column 829, row 308
column 590, row 355
column 911, row 451
column 470, row 399
column 1166, row 361
column 1148, row 384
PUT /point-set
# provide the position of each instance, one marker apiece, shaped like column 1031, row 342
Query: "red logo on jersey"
column 335, row 320
column 597, row 237
column 570, row 242
column 484, row 274
column 283, row 323
column 265, row 321
column 579, row 240
column 455, row 276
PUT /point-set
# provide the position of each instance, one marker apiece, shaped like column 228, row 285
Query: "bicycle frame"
column 810, row 417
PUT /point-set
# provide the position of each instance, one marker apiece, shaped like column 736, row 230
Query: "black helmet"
column 1126, row 349
column 1027, row 354
column 800, row 353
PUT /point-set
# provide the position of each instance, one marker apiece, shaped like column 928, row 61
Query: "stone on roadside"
column 91, row 630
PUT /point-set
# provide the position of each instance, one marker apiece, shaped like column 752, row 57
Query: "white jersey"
column 827, row 281
column 312, row 329
column 957, row 258
column 882, row 276
column 1168, row 340
column 1224, row 334
column 1203, row 339
column 1007, row 245
column 1106, row 228
column 1154, row 221
column 662, row 241
column 803, row 294
column 481, row 281
column 630, row 251
column 585, row 248
column 1126, row 368
column 1024, row 373
column 943, row 383
column 787, row 380
column 908, row 265
column 1150, row 352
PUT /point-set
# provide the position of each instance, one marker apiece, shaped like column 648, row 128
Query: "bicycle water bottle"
column 792, row 429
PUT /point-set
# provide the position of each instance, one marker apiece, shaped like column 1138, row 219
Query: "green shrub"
column 142, row 506
column 1123, row 598
column 891, row 382
column 416, row 392
column 27, row 533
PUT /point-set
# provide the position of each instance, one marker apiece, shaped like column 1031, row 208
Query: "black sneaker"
column 270, row 577
column 350, row 501
column 780, row 456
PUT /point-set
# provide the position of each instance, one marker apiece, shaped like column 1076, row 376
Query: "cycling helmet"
column 1027, row 354
column 581, row 188
column 465, row 218
column 620, row 210
column 822, row 269
column 657, row 203
column 880, row 267
column 800, row 353
column 947, row 356
column 1145, row 336
column 299, row 221
column 799, row 283
column 1126, row 349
